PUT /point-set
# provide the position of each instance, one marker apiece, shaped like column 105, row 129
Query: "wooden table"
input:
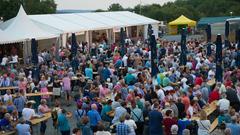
column 8, row 133
column 8, row 88
column 36, row 121
column 214, row 125
column 36, row 94
column 208, row 109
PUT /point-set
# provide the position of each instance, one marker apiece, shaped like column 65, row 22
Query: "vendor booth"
column 181, row 22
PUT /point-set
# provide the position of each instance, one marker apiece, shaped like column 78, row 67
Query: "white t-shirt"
column 124, row 59
column 7, row 97
column 223, row 104
column 132, row 125
column 28, row 113
column 161, row 95
column 103, row 133
column 4, row 61
column 15, row 59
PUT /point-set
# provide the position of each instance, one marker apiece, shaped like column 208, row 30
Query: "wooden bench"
column 214, row 125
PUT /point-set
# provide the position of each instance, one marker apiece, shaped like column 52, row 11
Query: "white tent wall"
column 155, row 28
column 145, row 31
column 64, row 39
column 27, row 50
column 46, row 44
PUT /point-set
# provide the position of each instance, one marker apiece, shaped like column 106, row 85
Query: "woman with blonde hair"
column 203, row 124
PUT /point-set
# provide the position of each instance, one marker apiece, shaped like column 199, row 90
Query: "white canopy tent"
column 22, row 28
column 34, row 26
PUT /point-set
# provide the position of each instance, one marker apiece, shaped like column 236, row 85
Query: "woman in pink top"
column 116, row 57
column 104, row 91
column 67, row 86
column 42, row 109
column 22, row 86
column 43, row 87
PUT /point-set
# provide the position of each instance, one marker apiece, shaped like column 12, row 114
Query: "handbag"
column 56, row 91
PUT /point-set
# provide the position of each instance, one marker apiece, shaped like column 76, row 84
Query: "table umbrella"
column 153, row 45
column 122, row 42
column 34, row 46
column 183, row 55
column 238, row 38
column 219, row 69
column 74, row 46
column 227, row 43
column 209, row 37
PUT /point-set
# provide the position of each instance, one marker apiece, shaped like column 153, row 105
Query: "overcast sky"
column 101, row 4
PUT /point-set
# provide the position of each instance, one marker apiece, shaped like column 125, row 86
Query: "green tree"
column 9, row 8
column 115, row 7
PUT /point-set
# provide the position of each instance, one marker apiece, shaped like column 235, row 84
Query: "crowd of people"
column 115, row 92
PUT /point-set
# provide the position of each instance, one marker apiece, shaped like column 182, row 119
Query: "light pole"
column 231, row 13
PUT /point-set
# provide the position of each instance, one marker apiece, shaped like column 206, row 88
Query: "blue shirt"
column 182, row 124
column 235, row 128
column 63, row 122
column 23, row 129
column 155, row 123
column 89, row 73
column 122, row 129
column 94, row 117
column 119, row 111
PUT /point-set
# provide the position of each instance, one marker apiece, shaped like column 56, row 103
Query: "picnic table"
column 9, row 88
column 209, row 110
column 45, row 117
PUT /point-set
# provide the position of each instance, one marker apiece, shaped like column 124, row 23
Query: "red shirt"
column 186, row 102
column 168, row 122
column 214, row 95
column 198, row 81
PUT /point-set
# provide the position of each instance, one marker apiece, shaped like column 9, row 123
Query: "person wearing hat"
column 28, row 113
column 23, row 128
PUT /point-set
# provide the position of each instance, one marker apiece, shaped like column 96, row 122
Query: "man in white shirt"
column 124, row 59
column 27, row 112
column 7, row 97
column 4, row 60
column 160, row 93
column 223, row 103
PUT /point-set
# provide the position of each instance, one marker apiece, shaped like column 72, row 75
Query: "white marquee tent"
column 22, row 29
column 46, row 26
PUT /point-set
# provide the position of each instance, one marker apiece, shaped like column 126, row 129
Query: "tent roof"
column 22, row 28
column 78, row 22
column 182, row 20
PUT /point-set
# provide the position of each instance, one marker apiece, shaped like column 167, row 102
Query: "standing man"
column 122, row 128
column 94, row 117
column 155, row 120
